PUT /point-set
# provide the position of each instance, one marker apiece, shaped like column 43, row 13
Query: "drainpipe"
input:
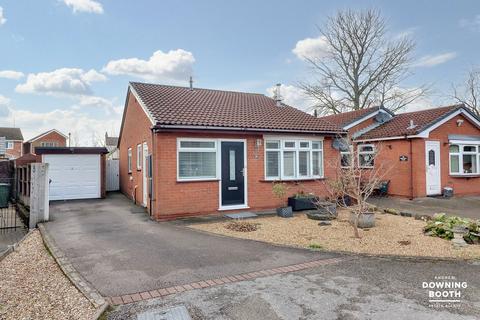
column 152, row 159
column 411, row 170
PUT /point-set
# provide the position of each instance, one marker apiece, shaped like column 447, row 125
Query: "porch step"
column 241, row 215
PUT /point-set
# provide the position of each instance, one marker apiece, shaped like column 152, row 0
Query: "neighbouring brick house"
column 212, row 150
column 13, row 142
column 51, row 138
column 428, row 150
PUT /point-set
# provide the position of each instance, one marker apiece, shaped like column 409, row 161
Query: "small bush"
column 242, row 226
column 442, row 226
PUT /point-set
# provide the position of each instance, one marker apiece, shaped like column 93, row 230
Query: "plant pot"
column 365, row 219
column 302, row 203
column 285, row 212
column 326, row 207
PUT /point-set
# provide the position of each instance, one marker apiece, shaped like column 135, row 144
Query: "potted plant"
column 302, row 201
column 279, row 189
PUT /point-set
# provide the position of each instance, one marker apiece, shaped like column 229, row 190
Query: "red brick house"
column 13, row 142
column 428, row 150
column 189, row 151
column 51, row 138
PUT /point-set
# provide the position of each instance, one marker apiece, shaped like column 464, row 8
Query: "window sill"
column 473, row 175
column 292, row 180
column 198, row 180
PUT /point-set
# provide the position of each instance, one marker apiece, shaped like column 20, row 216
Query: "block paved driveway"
column 119, row 250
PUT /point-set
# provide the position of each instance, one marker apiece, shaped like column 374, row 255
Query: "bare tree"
column 361, row 67
column 469, row 92
column 352, row 180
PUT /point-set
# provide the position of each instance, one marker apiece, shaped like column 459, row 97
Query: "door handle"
column 243, row 171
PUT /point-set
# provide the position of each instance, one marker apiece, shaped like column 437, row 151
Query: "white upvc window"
column 9, row 144
column 366, row 155
column 139, row 157
column 48, row 144
column 464, row 159
column 196, row 159
column 129, row 155
column 346, row 158
column 290, row 159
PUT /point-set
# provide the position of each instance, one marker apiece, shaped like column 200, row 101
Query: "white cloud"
column 84, row 129
column 174, row 66
column 293, row 96
column 433, row 60
column 65, row 81
column 11, row 74
column 89, row 6
column 4, row 106
column 311, row 48
column 2, row 17
column 108, row 105
column 473, row 24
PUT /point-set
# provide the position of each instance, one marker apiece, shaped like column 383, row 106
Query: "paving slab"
column 468, row 207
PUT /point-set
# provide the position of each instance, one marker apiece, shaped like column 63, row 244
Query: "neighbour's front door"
column 432, row 158
column 233, row 179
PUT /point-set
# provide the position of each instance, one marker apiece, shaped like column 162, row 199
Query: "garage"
column 75, row 173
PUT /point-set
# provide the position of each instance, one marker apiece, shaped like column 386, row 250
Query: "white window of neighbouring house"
column 129, row 160
column 9, row 144
column 197, row 159
column 293, row 159
column 464, row 159
column 366, row 155
column 139, row 157
column 48, row 144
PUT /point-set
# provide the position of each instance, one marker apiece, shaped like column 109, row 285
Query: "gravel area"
column 32, row 286
column 392, row 235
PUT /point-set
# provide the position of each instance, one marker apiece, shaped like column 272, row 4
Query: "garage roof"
column 72, row 150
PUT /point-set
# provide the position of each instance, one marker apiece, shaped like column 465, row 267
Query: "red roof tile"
column 345, row 118
column 180, row 106
column 400, row 124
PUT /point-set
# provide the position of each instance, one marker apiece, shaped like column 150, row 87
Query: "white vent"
column 412, row 125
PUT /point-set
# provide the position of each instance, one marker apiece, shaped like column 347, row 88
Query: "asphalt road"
column 363, row 288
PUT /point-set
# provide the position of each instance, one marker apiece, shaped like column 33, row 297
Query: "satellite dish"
column 382, row 117
column 340, row 144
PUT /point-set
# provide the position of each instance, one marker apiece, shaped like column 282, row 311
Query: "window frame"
column 365, row 152
column 189, row 149
column 129, row 160
column 139, row 156
column 460, row 154
column 48, row 144
column 297, row 149
column 350, row 154
column 9, row 142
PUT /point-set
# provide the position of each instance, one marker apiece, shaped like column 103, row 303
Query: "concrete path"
column 119, row 250
column 468, row 207
column 362, row 288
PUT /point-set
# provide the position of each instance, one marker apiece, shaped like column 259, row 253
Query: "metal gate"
column 113, row 180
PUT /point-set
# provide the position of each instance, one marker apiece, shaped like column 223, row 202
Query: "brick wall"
column 460, row 185
column 136, row 130
column 16, row 151
column 200, row 197
column 362, row 125
column 55, row 137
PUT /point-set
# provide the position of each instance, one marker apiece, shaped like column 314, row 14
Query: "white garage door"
column 73, row 176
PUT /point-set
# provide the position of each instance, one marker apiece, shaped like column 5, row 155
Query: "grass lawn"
column 392, row 235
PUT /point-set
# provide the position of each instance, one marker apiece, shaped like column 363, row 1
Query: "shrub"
column 315, row 246
column 242, row 226
column 442, row 226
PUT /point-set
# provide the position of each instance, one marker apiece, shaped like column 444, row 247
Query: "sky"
column 66, row 64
